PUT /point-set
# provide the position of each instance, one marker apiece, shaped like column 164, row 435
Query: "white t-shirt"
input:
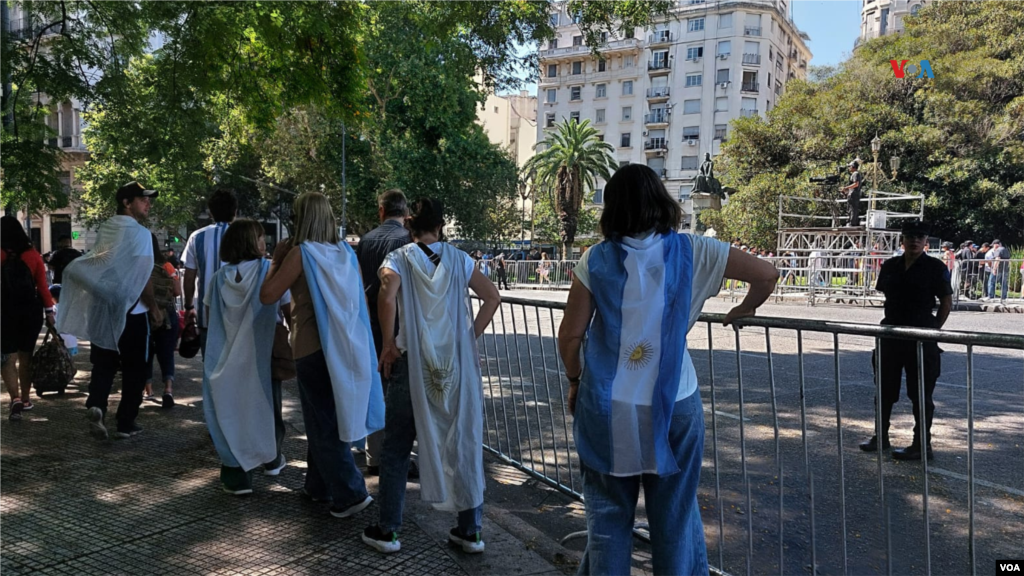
column 467, row 261
column 709, row 259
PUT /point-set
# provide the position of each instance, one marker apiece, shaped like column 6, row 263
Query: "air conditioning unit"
column 646, row 133
column 723, row 56
column 660, row 153
column 723, row 85
column 691, row 142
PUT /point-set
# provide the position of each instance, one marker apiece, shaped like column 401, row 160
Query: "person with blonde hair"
column 341, row 394
column 238, row 396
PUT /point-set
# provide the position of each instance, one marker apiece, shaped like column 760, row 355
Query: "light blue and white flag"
column 634, row 354
column 336, row 289
column 238, row 400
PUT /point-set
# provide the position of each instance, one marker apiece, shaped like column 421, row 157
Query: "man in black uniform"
column 853, row 192
column 911, row 283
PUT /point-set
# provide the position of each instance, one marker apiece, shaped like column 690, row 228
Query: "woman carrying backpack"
column 25, row 294
column 163, row 337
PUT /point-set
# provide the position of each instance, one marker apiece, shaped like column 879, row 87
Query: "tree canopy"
column 960, row 135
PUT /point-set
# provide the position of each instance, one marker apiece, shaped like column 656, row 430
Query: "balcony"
column 567, row 52
column 656, row 145
column 753, row 87
column 658, row 67
column 656, row 118
column 659, row 93
column 751, row 59
column 748, row 113
column 660, row 39
column 751, row 31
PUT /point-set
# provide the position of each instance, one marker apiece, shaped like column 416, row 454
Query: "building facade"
column 881, row 17
column 665, row 96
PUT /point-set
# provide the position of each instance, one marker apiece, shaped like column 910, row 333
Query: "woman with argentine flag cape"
column 638, row 418
column 335, row 361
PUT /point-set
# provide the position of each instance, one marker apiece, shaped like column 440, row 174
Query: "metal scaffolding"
column 833, row 262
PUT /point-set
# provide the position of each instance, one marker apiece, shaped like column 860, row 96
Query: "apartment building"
column 881, row 17
column 665, row 96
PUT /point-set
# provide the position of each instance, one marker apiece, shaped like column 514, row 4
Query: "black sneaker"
column 471, row 543
column 912, row 452
column 872, row 445
column 351, row 510
column 168, row 400
column 373, row 470
column 381, row 542
column 305, row 494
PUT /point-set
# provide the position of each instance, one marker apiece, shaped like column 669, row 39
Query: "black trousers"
column 132, row 359
column 854, row 202
column 502, row 278
column 899, row 357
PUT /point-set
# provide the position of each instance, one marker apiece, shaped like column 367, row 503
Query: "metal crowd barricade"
column 786, row 477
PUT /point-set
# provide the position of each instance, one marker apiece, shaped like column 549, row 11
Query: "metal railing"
column 659, row 92
column 750, row 87
column 752, row 31
column 780, row 467
column 752, row 59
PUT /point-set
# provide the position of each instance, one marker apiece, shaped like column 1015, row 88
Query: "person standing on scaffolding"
column 853, row 191
column 911, row 282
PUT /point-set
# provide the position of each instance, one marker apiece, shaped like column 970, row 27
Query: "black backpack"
column 19, row 287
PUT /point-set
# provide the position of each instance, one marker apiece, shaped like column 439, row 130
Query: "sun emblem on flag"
column 438, row 380
column 640, row 354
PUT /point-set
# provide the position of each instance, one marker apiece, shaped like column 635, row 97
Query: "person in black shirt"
column 62, row 257
column 911, row 283
column 854, row 191
column 374, row 246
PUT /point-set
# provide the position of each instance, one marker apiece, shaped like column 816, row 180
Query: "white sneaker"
column 239, row 492
column 352, row 510
column 277, row 470
column 96, row 427
column 473, row 544
column 381, row 542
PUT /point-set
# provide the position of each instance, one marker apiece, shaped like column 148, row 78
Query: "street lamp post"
column 894, row 165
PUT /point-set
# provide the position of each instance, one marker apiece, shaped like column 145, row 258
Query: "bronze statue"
column 706, row 183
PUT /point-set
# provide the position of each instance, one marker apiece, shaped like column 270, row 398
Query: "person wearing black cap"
column 853, row 192
column 911, row 283
column 107, row 298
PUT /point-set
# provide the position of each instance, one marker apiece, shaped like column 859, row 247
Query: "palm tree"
column 569, row 162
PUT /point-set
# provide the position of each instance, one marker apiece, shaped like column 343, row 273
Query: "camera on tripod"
column 830, row 180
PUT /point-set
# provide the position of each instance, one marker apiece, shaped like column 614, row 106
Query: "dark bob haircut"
column 240, row 242
column 636, row 201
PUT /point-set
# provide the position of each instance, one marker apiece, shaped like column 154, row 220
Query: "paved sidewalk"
column 153, row 504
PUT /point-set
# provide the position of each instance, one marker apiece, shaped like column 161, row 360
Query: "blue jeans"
column 1000, row 279
column 677, row 534
column 399, row 433
column 164, row 340
column 332, row 472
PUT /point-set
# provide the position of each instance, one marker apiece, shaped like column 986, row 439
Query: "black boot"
column 872, row 444
column 912, row 452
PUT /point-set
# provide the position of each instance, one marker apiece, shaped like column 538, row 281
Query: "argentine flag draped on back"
column 336, row 288
column 237, row 399
column 635, row 353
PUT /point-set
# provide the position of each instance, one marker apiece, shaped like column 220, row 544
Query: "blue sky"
column 833, row 25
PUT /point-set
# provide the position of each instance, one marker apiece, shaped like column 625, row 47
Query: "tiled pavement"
column 153, row 505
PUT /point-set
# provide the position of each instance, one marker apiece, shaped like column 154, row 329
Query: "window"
column 577, row 18
column 660, row 60
column 549, row 119
column 599, row 116
column 624, row 140
column 627, row 88
column 724, row 48
column 720, row 131
column 627, row 113
column 601, row 91
column 553, row 44
column 915, row 9
column 574, row 116
column 721, row 104
column 691, row 106
column 552, row 70
column 599, row 196
column 752, row 48
column 694, row 80
column 495, row 109
column 691, row 132
column 694, row 52
column 629, row 61
column 749, row 104
column 575, row 93
column 602, row 65
column 771, row 54
column 604, row 37
column 577, row 40
column 749, row 81
column 552, row 95
column 600, row 137
column 684, row 195
column 554, row 20
column 689, row 163
column 629, row 33
column 695, row 24
column 722, row 76
column 623, row 163
column 725, row 20
column 577, row 67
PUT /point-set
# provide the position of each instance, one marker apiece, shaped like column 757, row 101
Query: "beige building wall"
column 510, row 121
column 882, row 17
